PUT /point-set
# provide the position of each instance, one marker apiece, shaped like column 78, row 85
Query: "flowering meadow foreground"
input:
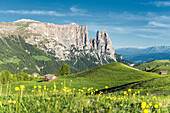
column 43, row 99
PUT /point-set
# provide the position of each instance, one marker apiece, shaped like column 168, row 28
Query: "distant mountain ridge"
column 134, row 51
column 141, row 55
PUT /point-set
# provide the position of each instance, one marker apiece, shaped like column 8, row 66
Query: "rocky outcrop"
column 64, row 42
column 102, row 45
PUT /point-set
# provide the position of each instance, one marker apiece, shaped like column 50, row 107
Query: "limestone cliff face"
column 65, row 42
column 102, row 45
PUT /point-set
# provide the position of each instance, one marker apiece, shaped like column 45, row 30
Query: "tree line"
column 7, row 77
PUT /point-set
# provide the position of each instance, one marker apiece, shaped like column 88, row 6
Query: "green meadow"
column 113, row 87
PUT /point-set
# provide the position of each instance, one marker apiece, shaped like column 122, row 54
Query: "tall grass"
column 43, row 99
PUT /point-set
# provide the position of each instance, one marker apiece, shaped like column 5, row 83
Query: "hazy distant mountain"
column 140, row 55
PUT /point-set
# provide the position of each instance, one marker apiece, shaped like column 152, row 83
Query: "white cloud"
column 33, row 12
column 74, row 9
column 159, row 3
column 148, row 36
column 78, row 11
column 156, row 24
column 74, row 12
column 162, row 3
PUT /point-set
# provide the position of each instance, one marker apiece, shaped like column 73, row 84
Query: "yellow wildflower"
column 0, row 103
column 129, row 90
column 147, row 94
column 84, row 88
column 154, row 97
column 39, row 87
column 22, row 86
column 96, row 89
column 35, row 87
column 156, row 106
column 61, row 83
column 45, row 86
column 9, row 101
column 14, row 101
column 159, row 104
column 106, row 87
column 74, row 89
column 138, row 92
column 145, row 111
column 125, row 92
column 68, row 90
column 147, row 106
column 143, row 105
column 150, row 104
column 16, row 88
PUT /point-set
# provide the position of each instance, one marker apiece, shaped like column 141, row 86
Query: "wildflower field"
column 113, row 88
column 43, row 99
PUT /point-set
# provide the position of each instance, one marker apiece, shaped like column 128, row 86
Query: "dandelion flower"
column 143, row 105
column 150, row 104
column 125, row 92
column 159, row 104
column 61, row 83
column 9, row 101
column 147, row 106
column 156, row 106
column 106, row 87
column 14, row 101
column 16, row 88
column 0, row 103
column 39, row 87
column 35, row 87
column 22, row 86
column 145, row 111
column 129, row 90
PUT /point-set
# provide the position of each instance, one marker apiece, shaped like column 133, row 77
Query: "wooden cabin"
column 50, row 77
column 163, row 72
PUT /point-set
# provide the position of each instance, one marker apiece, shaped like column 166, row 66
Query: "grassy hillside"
column 161, row 68
column 111, row 75
column 160, row 86
column 153, row 64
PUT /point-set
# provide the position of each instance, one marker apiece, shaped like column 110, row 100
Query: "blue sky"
column 129, row 23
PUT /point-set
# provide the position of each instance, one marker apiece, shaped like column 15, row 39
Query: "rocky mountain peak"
column 63, row 41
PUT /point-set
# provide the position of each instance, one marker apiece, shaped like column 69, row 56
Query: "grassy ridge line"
column 132, row 85
column 153, row 64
